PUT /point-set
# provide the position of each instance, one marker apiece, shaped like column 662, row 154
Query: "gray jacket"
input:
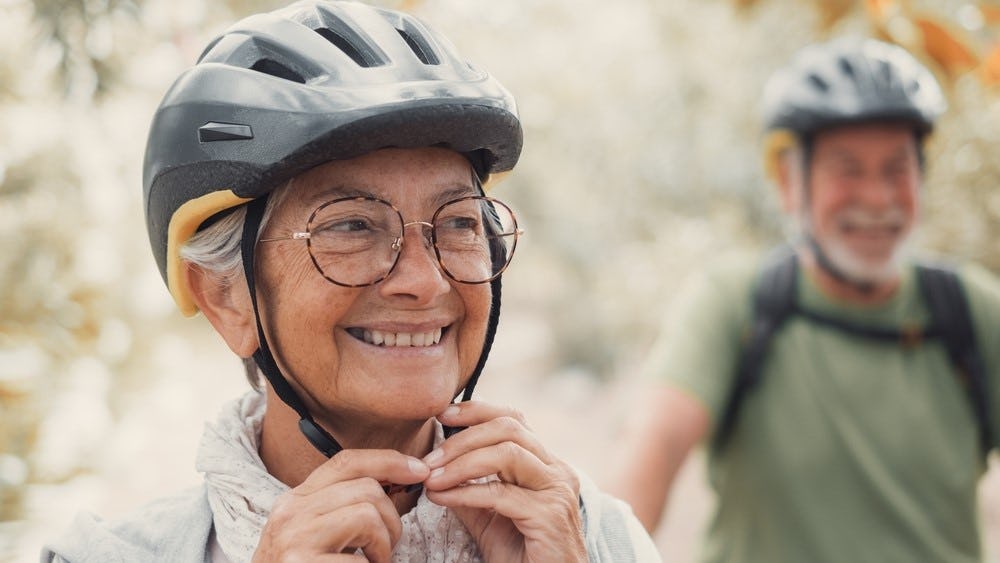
column 178, row 528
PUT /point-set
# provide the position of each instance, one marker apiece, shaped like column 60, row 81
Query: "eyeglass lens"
column 354, row 242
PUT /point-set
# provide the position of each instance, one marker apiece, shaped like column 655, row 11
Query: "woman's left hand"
column 532, row 512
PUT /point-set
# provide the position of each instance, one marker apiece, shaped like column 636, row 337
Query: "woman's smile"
column 398, row 339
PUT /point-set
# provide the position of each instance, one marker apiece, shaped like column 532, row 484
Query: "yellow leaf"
column 952, row 54
column 880, row 10
column 990, row 71
column 991, row 13
column 832, row 11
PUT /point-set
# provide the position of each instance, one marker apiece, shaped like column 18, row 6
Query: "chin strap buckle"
column 319, row 438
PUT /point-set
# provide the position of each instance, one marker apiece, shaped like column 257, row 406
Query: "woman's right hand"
column 340, row 508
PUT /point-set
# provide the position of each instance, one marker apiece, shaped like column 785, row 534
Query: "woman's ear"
column 226, row 305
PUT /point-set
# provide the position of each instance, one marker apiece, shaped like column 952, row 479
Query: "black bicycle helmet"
column 279, row 93
column 282, row 92
column 848, row 81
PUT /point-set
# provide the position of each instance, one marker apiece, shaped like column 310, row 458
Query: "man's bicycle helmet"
column 282, row 92
column 279, row 93
column 847, row 81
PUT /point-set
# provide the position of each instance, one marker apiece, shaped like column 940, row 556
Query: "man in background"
column 848, row 394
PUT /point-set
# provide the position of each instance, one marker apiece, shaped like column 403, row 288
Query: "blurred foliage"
column 641, row 162
column 84, row 33
column 642, row 153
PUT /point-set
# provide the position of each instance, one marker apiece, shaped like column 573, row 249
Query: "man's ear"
column 226, row 304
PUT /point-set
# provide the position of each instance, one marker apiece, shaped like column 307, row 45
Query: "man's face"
column 862, row 197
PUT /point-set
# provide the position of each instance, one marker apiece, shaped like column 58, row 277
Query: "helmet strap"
column 491, row 328
column 491, row 331
column 317, row 436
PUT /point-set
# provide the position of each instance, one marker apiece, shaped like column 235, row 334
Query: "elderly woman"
column 315, row 186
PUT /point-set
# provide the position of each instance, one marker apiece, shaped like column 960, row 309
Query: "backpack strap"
column 952, row 321
column 907, row 336
column 774, row 301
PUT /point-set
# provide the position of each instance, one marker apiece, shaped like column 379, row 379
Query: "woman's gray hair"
column 216, row 249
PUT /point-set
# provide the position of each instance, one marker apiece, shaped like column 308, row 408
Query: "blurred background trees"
column 641, row 161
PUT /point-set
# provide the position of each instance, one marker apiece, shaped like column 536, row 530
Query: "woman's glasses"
column 356, row 241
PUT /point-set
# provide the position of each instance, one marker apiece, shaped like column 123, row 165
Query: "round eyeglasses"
column 356, row 241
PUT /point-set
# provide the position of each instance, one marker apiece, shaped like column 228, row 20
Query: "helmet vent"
column 847, row 68
column 274, row 68
column 818, row 83
column 885, row 71
column 362, row 58
column 419, row 46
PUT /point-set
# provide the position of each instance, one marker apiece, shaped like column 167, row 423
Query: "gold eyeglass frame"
column 397, row 243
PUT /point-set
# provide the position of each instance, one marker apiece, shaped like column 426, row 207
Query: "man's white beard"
column 857, row 268
column 864, row 271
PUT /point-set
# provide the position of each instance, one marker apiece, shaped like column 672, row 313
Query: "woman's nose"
column 418, row 272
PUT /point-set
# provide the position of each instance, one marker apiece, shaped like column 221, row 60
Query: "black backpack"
column 774, row 301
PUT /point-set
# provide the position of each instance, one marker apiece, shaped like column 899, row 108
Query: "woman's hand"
column 531, row 512
column 340, row 508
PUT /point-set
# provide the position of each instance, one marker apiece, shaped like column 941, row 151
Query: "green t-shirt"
column 848, row 450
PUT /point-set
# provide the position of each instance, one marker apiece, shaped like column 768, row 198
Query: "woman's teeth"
column 406, row 339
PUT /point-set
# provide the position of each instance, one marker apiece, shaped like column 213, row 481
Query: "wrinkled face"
column 430, row 329
column 862, row 199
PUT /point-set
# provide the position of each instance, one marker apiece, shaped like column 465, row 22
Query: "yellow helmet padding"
column 777, row 142
column 493, row 179
column 184, row 223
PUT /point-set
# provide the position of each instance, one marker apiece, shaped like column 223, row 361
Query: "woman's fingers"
column 344, row 530
column 341, row 508
column 508, row 517
column 386, row 466
column 363, row 491
column 487, row 424
column 496, row 442
column 508, row 460
column 517, row 503
column 470, row 413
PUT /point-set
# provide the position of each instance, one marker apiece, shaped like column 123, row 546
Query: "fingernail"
column 451, row 411
column 436, row 472
column 433, row 457
column 416, row 465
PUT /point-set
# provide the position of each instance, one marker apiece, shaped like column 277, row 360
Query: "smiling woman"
column 342, row 373
column 316, row 186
